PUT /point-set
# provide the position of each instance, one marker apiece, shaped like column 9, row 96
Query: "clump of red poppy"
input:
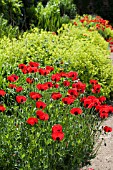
column 57, row 133
column 63, row 88
column 32, row 121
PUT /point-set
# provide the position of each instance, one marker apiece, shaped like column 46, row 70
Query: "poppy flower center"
column 14, row 78
column 58, row 138
column 22, row 100
column 87, row 105
column 75, row 113
column 22, row 67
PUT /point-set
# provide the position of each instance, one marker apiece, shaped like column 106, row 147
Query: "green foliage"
column 7, row 30
column 81, row 50
column 26, row 14
column 11, row 10
column 54, row 14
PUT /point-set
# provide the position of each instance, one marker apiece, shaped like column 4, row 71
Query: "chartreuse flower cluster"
column 55, row 104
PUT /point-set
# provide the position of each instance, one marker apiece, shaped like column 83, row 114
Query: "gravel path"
column 104, row 158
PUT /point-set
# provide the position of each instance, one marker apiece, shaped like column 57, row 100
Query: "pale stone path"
column 104, row 158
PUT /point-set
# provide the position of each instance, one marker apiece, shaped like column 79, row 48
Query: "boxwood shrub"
column 71, row 48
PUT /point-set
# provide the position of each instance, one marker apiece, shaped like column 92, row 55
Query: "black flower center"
column 58, row 138
column 75, row 113
column 22, row 100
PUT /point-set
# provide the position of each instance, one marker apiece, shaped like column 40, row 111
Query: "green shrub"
column 54, row 14
column 7, row 30
column 79, row 49
column 11, row 9
column 27, row 14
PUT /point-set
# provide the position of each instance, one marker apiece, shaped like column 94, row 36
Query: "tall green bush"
column 11, row 10
column 26, row 14
column 7, row 30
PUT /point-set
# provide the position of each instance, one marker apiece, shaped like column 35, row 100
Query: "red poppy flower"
column 104, row 109
column 12, row 86
column 2, row 108
column 66, row 83
column 93, row 82
column 40, row 105
column 103, row 115
column 58, row 136
column 12, row 78
column 76, row 111
column 75, row 23
column 44, row 72
column 22, row 66
column 32, row 120
column 21, row 99
column 2, row 93
column 34, row 64
column 96, row 102
column 46, row 116
column 56, row 85
column 91, row 97
column 102, row 99
column 35, row 95
column 56, row 128
column 49, row 84
column 42, row 87
column 63, row 74
column 32, row 69
column 98, row 107
column 96, row 88
column 50, row 68
column 19, row 89
column 73, row 92
column 25, row 71
column 73, row 75
column 110, row 109
column 41, row 115
column 82, row 20
column 55, row 77
column 88, row 103
column 111, row 48
column 29, row 80
column 107, row 129
column 82, row 99
column 56, row 95
column 68, row 100
column 80, row 86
